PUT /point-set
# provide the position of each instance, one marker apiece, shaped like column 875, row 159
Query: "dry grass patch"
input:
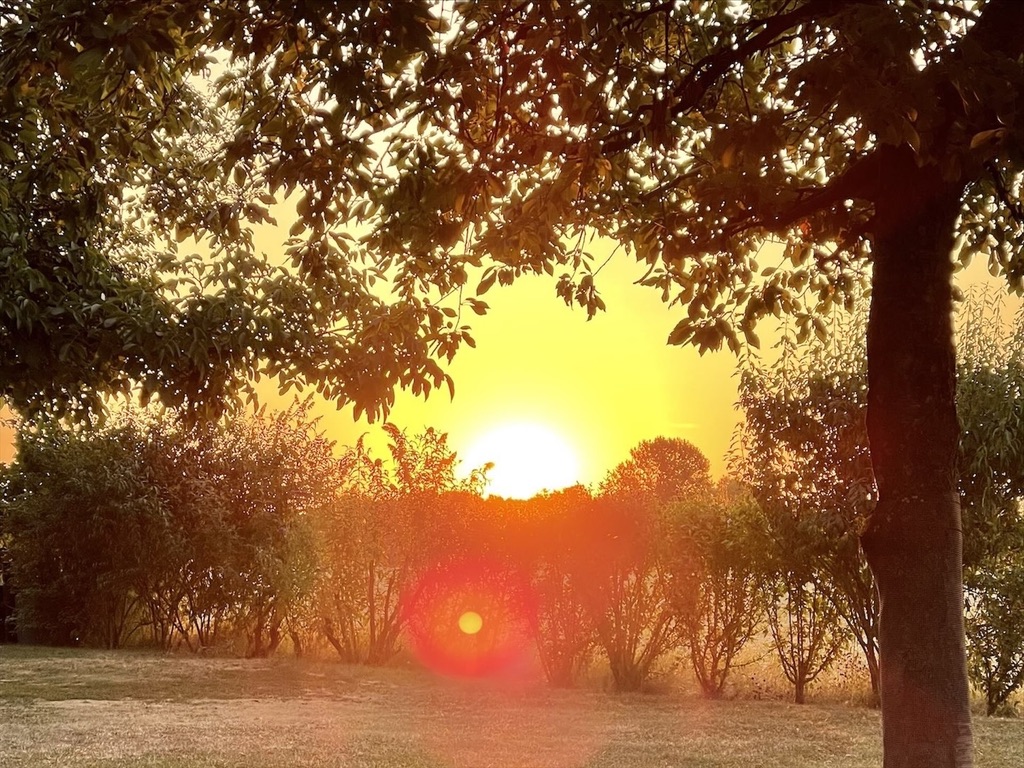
column 129, row 710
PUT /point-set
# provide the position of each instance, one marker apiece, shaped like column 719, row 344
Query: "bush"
column 995, row 629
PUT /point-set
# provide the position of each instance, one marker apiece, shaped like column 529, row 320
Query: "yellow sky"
column 602, row 385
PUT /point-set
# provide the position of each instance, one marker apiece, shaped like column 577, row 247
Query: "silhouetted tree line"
column 245, row 533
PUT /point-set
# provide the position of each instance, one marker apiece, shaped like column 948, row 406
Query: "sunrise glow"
column 527, row 458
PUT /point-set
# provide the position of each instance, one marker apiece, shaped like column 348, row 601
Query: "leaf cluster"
column 430, row 151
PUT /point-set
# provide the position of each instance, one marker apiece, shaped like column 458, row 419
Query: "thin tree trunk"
column 913, row 539
column 871, row 657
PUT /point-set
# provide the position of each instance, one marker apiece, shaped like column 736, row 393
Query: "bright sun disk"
column 527, row 458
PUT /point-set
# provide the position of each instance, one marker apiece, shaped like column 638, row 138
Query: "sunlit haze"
column 599, row 386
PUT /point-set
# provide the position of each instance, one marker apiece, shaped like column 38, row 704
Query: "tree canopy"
column 439, row 148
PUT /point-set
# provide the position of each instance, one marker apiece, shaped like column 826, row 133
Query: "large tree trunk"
column 913, row 538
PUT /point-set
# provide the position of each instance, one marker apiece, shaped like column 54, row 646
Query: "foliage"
column 147, row 523
column 548, row 536
column 716, row 586
column 278, row 473
column 623, row 578
column 83, row 520
column 995, row 652
column 803, row 447
column 991, row 411
column 128, row 198
column 990, row 405
column 804, row 421
column 664, row 469
column 390, row 522
column 688, row 134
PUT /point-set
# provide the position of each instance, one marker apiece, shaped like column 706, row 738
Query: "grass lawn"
column 90, row 708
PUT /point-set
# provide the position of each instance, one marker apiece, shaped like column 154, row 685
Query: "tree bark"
column 913, row 539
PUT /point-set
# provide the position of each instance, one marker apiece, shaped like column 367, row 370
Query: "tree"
column 128, row 256
column 395, row 520
column 190, row 598
column 623, row 583
column 547, row 537
column 85, row 529
column 990, row 397
column 803, row 446
column 622, row 574
column 339, row 588
column 664, row 469
column 990, row 404
column 803, row 619
column 493, row 137
column 804, row 424
column 145, row 524
column 995, row 651
column 277, row 473
column 717, row 586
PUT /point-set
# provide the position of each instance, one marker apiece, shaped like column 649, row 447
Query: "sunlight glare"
column 527, row 458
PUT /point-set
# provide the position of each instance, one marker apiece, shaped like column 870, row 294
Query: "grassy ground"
column 88, row 708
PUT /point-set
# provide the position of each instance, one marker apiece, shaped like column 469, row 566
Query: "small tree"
column 995, row 607
column 805, row 630
column 716, row 584
column 548, row 536
column 990, row 405
column 624, row 578
column 395, row 518
column 339, row 592
column 624, row 587
column 803, row 446
column 991, row 409
column 664, row 469
column 147, row 522
column 805, row 626
column 86, row 533
column 278, row 473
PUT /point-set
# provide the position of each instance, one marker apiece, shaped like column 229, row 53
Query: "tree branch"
column 691, row 89
column 1000, row 29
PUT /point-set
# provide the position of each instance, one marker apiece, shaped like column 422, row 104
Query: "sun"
column 527, row 458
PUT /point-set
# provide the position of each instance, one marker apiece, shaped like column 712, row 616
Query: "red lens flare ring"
column 470, row 618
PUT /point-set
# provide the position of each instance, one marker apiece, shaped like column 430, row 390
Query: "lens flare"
column 444, row 613
column 471, row 622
